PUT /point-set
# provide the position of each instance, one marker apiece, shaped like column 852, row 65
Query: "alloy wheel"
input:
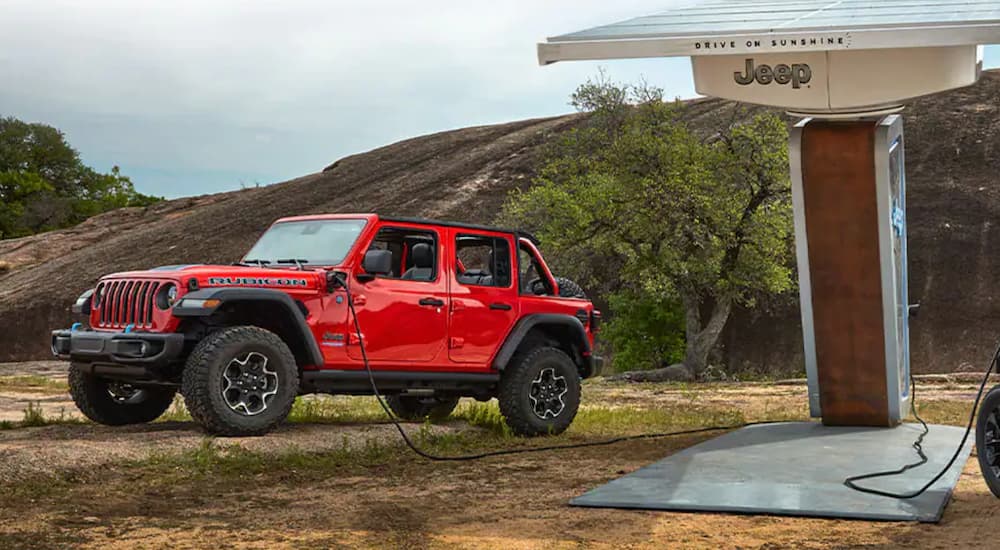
column 546, row 394
column 248, row 385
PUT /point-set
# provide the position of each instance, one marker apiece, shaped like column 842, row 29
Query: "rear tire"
column 540, row 392
column 115, row 403
column 988, row 440
column 240, row 381
column 409, row 407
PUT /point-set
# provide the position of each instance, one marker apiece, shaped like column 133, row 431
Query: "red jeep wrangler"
column 444, row 310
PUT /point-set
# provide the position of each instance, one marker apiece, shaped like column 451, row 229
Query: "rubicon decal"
column 796, row 74
column 256, row 281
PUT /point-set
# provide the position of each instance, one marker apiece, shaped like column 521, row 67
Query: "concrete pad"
column 795, row 469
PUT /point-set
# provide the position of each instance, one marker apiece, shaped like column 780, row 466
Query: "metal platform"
column 794, row 469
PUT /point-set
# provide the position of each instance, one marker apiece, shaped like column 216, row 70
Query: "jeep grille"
column 127, row 302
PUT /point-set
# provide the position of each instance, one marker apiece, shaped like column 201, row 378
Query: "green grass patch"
column 313, row 409
column 215, row 460
column 34, row 416
column 32, row 383
column 484, row 415
column 177, row 412
column 336, row 410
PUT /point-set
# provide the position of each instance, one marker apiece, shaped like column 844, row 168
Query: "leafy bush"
column 645, row 332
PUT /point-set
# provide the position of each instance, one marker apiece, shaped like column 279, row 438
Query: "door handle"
column 501, row 306
column 433, row 302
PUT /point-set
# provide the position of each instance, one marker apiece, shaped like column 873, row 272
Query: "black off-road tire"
column 988, row 439
column 522, row 377
column 411, row 407
column 569, row 289
column 92, row 395
column 203, row 381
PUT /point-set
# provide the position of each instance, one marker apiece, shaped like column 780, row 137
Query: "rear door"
column 484, row 304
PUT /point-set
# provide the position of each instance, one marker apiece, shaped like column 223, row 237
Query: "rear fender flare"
column 524, row 326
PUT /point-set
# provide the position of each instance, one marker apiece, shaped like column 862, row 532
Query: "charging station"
column 847, row 68
column 852, row 276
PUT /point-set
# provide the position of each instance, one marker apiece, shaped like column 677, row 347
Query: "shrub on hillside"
column 44, row 185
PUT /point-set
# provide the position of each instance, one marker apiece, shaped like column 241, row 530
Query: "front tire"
column 116, row 403
column 540, row 392
column 988, row 440
column 240, row 381
column 410, row 407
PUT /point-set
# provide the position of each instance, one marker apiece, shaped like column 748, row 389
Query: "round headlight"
column 166, row 296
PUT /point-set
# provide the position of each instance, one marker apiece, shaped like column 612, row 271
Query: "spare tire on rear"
column 569, row 289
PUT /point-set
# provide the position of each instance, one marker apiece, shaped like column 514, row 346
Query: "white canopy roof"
column 725, row 27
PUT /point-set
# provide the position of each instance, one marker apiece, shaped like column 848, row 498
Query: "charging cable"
column 918, row 446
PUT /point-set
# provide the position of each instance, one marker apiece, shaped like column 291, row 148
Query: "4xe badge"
column 796, row 74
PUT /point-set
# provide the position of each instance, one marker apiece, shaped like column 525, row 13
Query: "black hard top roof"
column 426, row 221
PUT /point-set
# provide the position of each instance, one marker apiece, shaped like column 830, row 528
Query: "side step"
column 356, row 382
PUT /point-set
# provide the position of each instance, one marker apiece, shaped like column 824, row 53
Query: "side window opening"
column 483, row 261
column 530, row 275
column 414, row 253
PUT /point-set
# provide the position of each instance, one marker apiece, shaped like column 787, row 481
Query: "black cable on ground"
column 505, row 452
column 918, row 446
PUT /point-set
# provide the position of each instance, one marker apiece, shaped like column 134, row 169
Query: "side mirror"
column 377, row 262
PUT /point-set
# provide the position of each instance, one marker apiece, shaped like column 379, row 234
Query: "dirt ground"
column 81, row 485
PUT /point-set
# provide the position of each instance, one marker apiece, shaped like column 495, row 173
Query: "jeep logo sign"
column 797, row 74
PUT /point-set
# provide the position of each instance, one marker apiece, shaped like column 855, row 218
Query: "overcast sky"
column 193, row 97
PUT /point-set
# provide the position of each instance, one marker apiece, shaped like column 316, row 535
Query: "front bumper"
column 134, row 348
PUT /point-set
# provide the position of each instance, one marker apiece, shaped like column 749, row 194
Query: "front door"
column 403, row 315
column 484, row 301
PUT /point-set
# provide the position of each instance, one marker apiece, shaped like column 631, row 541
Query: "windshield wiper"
column 298, row 263
column 260, row 263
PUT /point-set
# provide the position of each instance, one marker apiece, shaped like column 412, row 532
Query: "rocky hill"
column 953, row 161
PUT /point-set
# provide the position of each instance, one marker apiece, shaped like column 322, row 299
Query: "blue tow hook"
column 129, row 329
column 75, row 327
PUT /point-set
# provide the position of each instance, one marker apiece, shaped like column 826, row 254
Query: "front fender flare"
column 231, row 295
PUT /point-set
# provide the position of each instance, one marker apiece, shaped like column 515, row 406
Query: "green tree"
column 44, row 185
column 637, row 197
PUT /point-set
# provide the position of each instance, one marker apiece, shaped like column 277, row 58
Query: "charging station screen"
column 897, row 182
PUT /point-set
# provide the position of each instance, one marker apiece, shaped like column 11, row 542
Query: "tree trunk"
column 701, row 339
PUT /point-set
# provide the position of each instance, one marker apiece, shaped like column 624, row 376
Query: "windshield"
column 318, row 242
